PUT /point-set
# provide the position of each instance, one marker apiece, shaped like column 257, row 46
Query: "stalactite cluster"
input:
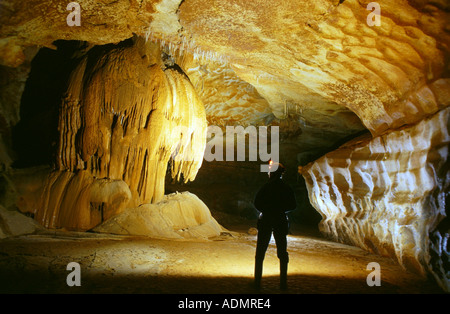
column 125, row 115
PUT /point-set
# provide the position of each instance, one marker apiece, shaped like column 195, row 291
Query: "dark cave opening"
column 35, row 137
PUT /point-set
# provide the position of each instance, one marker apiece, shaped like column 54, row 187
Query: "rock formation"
column 177, row 216
column 125, row 115
column 388, row 194
column 14, row 223
column 317, row 56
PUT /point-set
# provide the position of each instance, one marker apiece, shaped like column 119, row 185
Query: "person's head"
column 276, row 169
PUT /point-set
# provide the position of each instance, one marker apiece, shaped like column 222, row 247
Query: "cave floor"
column 223, row 265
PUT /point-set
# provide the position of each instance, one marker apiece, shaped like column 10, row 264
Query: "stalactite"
column 181, row 47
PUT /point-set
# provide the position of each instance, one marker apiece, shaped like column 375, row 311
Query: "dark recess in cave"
column 228, row 188
column 36, row 135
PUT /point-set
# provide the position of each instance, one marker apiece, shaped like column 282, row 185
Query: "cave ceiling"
column 315, row 67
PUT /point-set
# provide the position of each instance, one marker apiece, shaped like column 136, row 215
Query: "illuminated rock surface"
column 322, row 55
column 126, row 115
column 388, row 194
column 176, row 216
column 63, row 199
column 317, row 58
column 123, row 118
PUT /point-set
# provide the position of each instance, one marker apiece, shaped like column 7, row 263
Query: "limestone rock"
column 14, row 223
column 389, row 193
column 125, row 115
column 318, row 58
column 228, row 99
column 12, row 83
column 176, row 216
column 40, row 23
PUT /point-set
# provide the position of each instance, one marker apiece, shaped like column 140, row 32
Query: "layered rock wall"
column 389, row 193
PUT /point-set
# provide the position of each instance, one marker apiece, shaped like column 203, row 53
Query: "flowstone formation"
column 125, row 115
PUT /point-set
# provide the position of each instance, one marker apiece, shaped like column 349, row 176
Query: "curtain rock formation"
column 125, row 116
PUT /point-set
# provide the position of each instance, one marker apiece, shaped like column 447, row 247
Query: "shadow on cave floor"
column 222, row 265
column 133, row 284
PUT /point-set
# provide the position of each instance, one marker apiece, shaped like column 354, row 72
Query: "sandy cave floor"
column 125, row 264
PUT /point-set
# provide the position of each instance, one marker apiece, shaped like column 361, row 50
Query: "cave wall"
column 12, row 85
column 317, row 58
column 388, row 194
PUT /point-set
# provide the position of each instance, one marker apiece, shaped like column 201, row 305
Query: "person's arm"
column 260, row 201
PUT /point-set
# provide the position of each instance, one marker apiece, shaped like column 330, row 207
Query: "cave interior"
column 154, row 120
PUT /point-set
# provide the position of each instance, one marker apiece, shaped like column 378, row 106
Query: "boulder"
column 177, row 216
column 14, row 223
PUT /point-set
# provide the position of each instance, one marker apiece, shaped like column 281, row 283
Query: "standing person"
column 273, row 201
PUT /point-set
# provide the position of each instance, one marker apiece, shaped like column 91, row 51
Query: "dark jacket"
column 275, row 198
